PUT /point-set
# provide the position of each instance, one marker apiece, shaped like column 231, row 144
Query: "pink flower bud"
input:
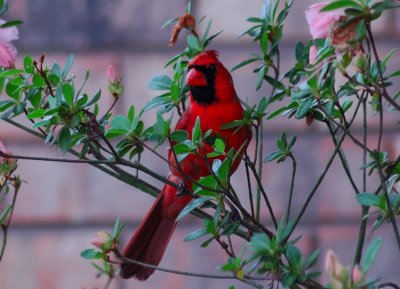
column 357, row 275
column 333, row 266
column 113, row 74
column 320, row 22
column 103, row 241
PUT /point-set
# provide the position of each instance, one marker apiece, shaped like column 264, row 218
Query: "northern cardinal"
column 213, row 99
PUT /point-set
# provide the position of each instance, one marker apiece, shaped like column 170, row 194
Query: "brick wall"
column 62, row 206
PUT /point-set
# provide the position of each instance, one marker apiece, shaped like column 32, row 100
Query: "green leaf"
column 368, row 199
column 260, row 77
column 244, row 63
column 341, row 4
column 67, row 67
column 91, row 254
column 196, row 131
column 193, row 205
column 36, row 113
column 219, row 145
column 160, row 82
column 304, row 108
column 11, row 72
column 5, row 213
column 64, row 139
column 95, row 98
column 28, row 64
column 294, row 256
column 117, row 229
column 121, row 122
column 156, row 102
column 68, row 92
column 370, row 254
column 195, row 235
column 11, row 23
column 193, row 43
column 179, row 135
column 38, row 81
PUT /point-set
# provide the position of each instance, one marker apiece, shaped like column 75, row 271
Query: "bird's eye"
column 211, row 67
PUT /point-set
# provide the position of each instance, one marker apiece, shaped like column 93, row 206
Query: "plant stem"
column 364, row 209
column 294, row 166
column 258, row 173
column 386, row 193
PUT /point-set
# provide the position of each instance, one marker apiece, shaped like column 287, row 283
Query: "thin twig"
column 294, row 166
column 386, row 193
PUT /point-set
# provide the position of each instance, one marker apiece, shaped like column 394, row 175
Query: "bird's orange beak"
column 196, row 78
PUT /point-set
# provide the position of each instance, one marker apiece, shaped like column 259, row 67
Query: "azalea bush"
column 338, row 75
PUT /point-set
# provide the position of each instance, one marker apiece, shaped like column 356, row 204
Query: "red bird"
column 213, row 99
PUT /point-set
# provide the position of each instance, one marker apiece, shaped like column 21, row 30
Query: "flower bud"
column 333, row 266
column 357, row 275
column 104, row 241
column 113, row 74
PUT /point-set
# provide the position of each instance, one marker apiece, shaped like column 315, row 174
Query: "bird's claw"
column 182, row 190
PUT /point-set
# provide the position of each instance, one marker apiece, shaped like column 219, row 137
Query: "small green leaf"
column 371, row 253
column 5, row 213
column 341, row 4
column 36, row 113
column 193, row 205
column 64, row 139
column 11, row 72
column 179, row 135
column 67, row 67
column 121, row 122
column 244, row 63
column 28, row 64
column 195, row 235
column 91, row 254
column 160, row 82
column 368, row 199
column 11, row 23
column 68, row 92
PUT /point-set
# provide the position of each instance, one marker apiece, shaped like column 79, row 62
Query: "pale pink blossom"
column 312, row 54
column 8, row 53
column 113, row 74
column 321, row 22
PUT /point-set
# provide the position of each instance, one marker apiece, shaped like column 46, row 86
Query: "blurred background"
column 62, row 206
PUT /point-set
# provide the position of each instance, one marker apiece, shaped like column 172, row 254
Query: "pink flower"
column 312, row 54
column 8, row 52
column 113, row 74
column 320, row 22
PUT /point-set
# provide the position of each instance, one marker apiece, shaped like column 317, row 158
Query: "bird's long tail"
column 150, row 240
